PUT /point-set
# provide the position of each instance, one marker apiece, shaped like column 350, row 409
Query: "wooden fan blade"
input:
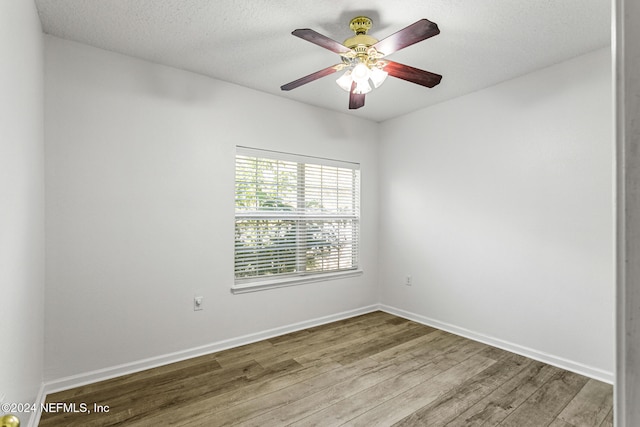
column 322, row 41
column 311, row 77
column 413, row 75
column 418, row 31
column 355, row 100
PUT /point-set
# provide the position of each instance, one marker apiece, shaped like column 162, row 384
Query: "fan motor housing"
column 361, row 41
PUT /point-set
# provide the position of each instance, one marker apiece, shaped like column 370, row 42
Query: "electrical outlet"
column 408, row 280
column 198, row 303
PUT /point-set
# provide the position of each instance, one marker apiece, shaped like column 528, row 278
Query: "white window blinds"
column 294, row 215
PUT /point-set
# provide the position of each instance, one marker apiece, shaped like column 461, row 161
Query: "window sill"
column 263, row 285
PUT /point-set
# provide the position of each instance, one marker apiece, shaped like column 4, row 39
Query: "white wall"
column 21, row 203
column 140, row 207
column 500, row 206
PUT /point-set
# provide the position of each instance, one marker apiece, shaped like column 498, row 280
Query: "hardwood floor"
column 371, row 370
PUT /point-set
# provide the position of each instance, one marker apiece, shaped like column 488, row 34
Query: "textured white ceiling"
column 482, row 42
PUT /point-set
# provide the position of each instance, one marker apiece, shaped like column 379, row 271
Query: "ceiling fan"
column 362, row 58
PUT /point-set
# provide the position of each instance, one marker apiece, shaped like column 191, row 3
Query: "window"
column 296, row 219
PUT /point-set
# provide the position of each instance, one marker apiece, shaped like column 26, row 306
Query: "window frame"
column 267, row 281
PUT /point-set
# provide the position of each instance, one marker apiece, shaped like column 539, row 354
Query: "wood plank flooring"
column 371, row 370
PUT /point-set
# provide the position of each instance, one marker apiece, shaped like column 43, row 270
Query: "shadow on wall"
column 94, row 69
column 554, row 81
column 168, row 83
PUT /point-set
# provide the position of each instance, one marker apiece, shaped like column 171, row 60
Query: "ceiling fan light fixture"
column 364, row 58
column 363, row 76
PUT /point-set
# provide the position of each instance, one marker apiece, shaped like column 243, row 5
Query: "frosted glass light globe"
column 361, row 73
column 345, row 81
column 378, row 77
column 362, row 87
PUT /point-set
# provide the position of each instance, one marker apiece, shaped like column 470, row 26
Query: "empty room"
column 314, row 213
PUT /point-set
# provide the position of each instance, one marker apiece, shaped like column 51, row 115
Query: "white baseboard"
column 35, row 416
column 153, row 362
column 141, row 365
column 569, row 365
